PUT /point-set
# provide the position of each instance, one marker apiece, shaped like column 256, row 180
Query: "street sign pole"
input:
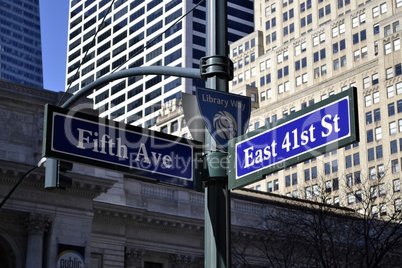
column 217, row 70
column 217, row 198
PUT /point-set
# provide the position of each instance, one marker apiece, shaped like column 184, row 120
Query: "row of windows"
column 246, row 46
column 337, row 63
column 377, row 190
column 172, row 127
column 139, row 25
column 322, row 70
column 358, row 20
column 247, row 60
column 351, row 179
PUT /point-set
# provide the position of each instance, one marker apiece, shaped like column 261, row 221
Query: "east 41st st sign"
column 319, row 128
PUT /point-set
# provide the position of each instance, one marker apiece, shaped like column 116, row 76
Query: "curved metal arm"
column 144, row 70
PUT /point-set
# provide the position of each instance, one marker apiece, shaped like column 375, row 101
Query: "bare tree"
column 377, row 201
column 313, row 233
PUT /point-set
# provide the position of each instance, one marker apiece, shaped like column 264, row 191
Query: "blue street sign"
column 82, row 138
column 226, row 115
column 317, row 129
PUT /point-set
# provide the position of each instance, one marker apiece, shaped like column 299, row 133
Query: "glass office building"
column 107, row 36
column 20, row 42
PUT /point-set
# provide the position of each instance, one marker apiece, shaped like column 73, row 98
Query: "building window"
column 287, row 180
column 389, row 73
column 366, row 82
column 174, row 126
column 387, row 48
column 382, row 189
column 328, row 186
column 357, row 55
column 314, row 173
column 387, row 30
column 269, row 187
column 397, row 44
column 398, row 69
column 376, row 11
column 393, row 146
column 396, row 185
column 390, row 91
column 378, row 133
column 306, row 174
column 356, row 159
column 398, row 202
column 327, row 168
column 294, row 179
column 377, row 115
column 335, row 184
column 370, row 154
column 355, row 22
column 358, row 195
column 395, row 167
column 370, row 136
column 392, row 128
column 336, row 64
column 364, row 52
column 369, row 118
column 368, row 100
column 391, row 109
column 276, row 185
column 334, row 166
column 383, row 8
column 348, row 161
column 376, row 97
column 351, row 198
column 379, row 153
column 372, row 173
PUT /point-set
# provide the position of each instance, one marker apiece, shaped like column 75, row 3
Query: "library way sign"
column 77, row 137
column 319, row 128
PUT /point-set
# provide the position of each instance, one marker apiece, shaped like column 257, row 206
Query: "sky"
column 54, row 28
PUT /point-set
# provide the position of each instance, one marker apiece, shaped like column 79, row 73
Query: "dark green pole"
column 217, row 199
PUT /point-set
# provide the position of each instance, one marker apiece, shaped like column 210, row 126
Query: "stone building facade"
column 106, row 218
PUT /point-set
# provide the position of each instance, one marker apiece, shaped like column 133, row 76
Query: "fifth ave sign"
column 77, row 137
column 323, row 127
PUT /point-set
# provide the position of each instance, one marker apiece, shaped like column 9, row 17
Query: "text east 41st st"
column 291, row 140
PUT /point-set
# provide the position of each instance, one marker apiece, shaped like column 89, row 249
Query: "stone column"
column 36, row 225
column 133, row 258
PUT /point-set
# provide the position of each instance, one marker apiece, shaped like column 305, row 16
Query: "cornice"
column 20, row 91
column 140, row 217
column 82, row 185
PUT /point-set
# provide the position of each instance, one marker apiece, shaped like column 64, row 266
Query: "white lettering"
column 156, row 158
column 121, row 149
column 260, row 155
column 328, row 126
column 81, row 138
column 248, row 156
column 144, row 153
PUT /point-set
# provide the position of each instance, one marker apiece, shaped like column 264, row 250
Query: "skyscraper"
column 20, row 42
column 308, row 51
column 303, row 52
column 141, row 33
